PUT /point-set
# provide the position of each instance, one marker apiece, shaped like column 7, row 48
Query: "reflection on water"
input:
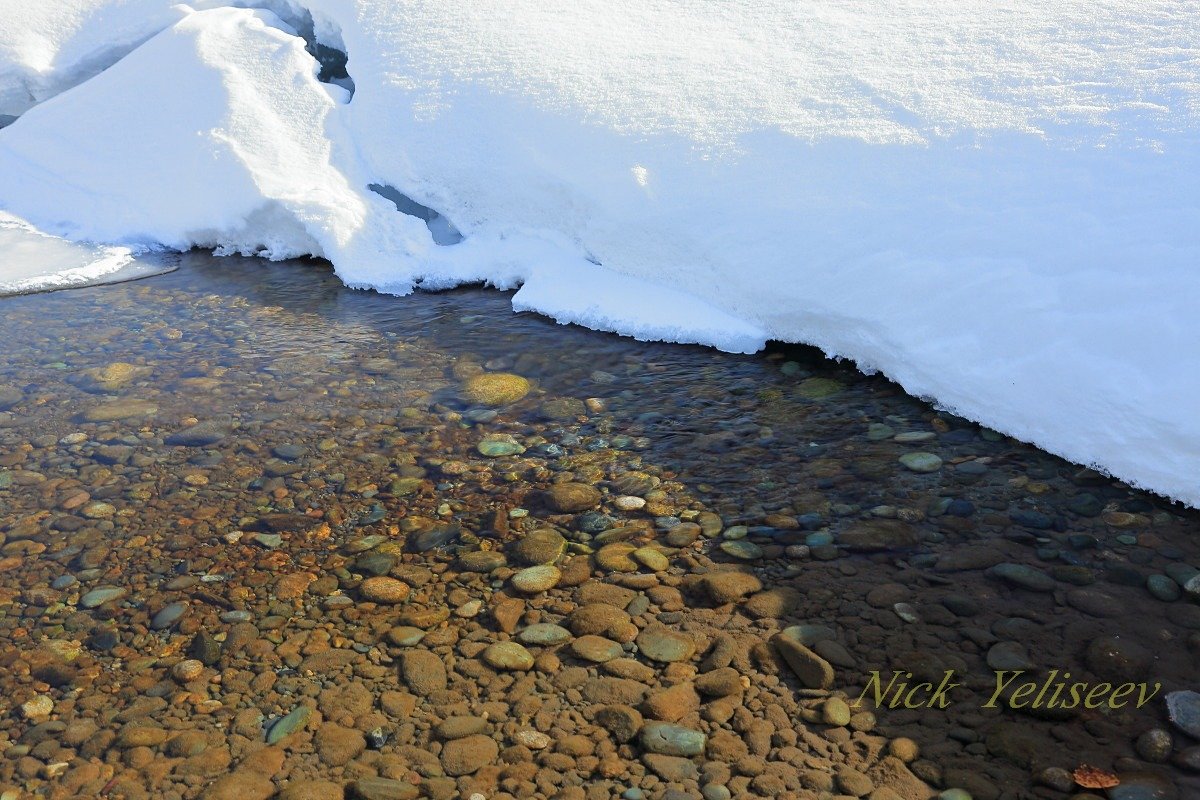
column 262, row 530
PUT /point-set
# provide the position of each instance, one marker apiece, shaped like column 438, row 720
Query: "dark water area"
column 263, row 535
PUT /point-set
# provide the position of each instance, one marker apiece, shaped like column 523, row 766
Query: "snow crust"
column 35, row 261
column 994, row 204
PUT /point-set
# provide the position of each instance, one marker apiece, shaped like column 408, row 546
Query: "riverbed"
column 265, row 534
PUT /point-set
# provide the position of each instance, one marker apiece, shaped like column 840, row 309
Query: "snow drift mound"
column 996, row 206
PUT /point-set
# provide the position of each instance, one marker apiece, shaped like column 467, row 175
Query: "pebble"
column 813, row 671
column 570, row 498
column 1163, row 588
column 508, row 656
column 921, row 462
column 671, row 740
column 495, row 389
column 1023, row 576
column 742, row 550
column 1154, row 745
column 596, row 649
column 651, row 559
column 285, row 726
column 499, row 445
column 543, row 546
column 167, row 616
column 1183, row 710
column 665, row 645
column 544, row 634
column 187, row 671
column 37, row 708
column 532, row 580
column 534, row 740
column 382, row 589
column 102, row 595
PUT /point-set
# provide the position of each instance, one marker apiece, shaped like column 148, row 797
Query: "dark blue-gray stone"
column 672, row 740
column 167, row 616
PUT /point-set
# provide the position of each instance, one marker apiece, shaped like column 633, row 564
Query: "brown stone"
column 312, row 790
column 673, row 704
column 423, row 671
column 729, row 586
column 382, row 589
column 337, row 746
column 570, row 498
column 240, row 786
column 622, row 722
column 468, row 754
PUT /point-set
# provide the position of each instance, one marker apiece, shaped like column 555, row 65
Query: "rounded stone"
column 469, row 754
column 40, row 706
column 616, row 557
column 921, row 462
column 532, row 580
column 495, row 389
column 534, row 740
column 730, row 586
column 498, row 445
column 596, row 649
column 187, row 670
column 835, row 711
column 570, row 498
column 665, row 645
column 100, row 596
column 904, row 749
column 382, row 589
column 544, row 633
column 481, row 561
column 622, row 721
column 543, row 546
column 1154, row 745
column 168, row 616
column 742, row 550
column 651, row 559
column 671, row 740
column 509, row 656
column 1163, row 588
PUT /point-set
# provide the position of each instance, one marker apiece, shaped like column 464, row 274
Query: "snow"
column 994, row 204
column 34, row 261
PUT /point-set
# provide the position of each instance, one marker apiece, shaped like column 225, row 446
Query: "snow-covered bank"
column 996, row 206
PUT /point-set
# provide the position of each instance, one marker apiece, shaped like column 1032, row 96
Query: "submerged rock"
column 495, row 389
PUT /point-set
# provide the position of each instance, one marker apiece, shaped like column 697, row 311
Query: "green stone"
column 286, row 726
column 672, row 740
column 508, row 656
column 742, row 549
column 651, row 559
column 921, row 462
column 498, row 445
column 818, row 388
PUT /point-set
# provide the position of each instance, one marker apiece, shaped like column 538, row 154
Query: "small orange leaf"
column 1095, row 778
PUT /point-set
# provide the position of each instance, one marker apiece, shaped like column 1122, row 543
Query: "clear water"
column 345, row 408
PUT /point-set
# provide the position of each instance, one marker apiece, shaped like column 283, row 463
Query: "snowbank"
column 996, row 206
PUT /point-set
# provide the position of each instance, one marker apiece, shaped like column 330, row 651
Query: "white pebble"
column 534, row 740
column 629, row 503
column 39, row 706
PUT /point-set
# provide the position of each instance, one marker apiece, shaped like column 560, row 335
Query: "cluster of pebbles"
column 305, row 543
